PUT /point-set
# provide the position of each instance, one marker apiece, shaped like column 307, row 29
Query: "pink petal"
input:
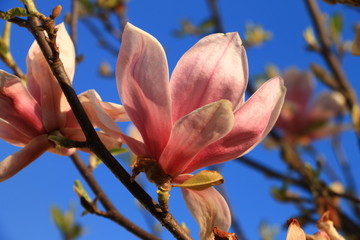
column 115, row 111
column 194, row 132
column 325, row 224
column 16, row 162
column 253, row 121
column 71, row 121
column 300, row 87
column 291, row 121
column 327, row 106
column 100, row 118
column 321, row 236
column 18, row 107
column 12, row 135
column 215, row 68
column 143, row 85
column 209, row 209
column 97, row 114
column 294, row 115
column 44, row 86
column 295, row 232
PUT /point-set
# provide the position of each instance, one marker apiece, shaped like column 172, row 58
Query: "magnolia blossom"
column 198, row 118
column 29, row 114
column 325, row 225
column 301, row 119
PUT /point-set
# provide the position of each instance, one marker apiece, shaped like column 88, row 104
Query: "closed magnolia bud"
column 56, row 12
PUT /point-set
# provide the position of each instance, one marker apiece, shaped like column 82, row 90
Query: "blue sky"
column 26, row 198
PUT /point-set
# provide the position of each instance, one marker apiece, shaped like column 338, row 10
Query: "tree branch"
column 333, row 62
column 73, row 20
column 216, row 16
column 111, row 211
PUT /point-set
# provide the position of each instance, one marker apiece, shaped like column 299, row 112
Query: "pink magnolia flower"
column 30, row 113
column 198, row 118
column 302, row 120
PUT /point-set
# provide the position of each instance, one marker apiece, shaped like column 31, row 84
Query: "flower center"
column 153, row 172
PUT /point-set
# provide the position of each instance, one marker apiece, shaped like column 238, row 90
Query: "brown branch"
column 13, row 66
column 270, row 172
column 111, row 211
column 102, row 41
column 50, row 52
column 216, row 16
column 5, row 54
column 73, row 20
column 354, row 3
column 331, row 59
column 105, row 20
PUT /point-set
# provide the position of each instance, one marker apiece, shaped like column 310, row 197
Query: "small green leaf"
column 76, row 231
column 58, row 218
column 87, row 6
column 202, row 180
column 80, row 191
column 336, row 25
column 14, row 12
column 207, row 24
column 118, row 151
column 65, row 222
column 94, row 161
column 109, row 4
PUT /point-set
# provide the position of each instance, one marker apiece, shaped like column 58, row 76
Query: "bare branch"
column 111, row 211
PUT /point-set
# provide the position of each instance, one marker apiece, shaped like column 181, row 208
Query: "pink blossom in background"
column 30, row 113
column 302, row 119
column 198, row 118
column 294, row 230
column 325, row 225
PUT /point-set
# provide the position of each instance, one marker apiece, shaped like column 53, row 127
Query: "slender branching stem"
column 111, row 211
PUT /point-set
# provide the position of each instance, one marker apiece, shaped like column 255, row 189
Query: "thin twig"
column 331, row 59
column 6, row 55
column 216, row 16
column 111, row 211
column 13, row 66
column 102, row 41
column 321, row 159
column 73, row 20
column 105, row 20
column 344, row 164
column 346, row 169
column 271, row 173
